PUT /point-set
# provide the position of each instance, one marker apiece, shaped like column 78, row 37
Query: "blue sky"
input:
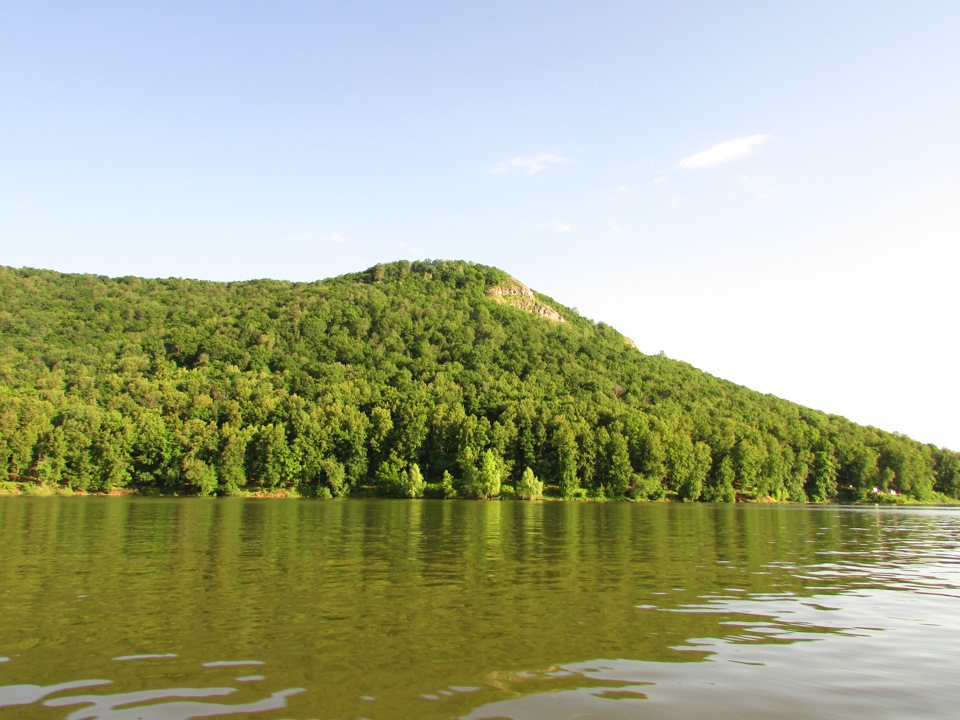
column 769, row 191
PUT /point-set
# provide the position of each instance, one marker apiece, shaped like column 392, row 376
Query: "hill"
column 442, row 377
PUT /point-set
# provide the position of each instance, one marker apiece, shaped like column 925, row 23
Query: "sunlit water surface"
column 168, row 609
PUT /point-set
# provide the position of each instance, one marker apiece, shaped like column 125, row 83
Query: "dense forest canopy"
column 438, row 377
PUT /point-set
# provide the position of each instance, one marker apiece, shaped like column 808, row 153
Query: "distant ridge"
column 436, row 378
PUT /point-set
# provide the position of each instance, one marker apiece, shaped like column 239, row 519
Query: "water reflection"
column 107, row 707
column 878, row 635
column 840, row 656
column 381, row 609
column 29, row 694
column 153, row 704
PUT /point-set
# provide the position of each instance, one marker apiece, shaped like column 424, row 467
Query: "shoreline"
column 28, row 489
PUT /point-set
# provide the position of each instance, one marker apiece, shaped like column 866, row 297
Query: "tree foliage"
column 407, row 379
column 528, row 487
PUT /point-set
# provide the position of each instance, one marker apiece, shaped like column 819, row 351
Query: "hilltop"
column 438, row 377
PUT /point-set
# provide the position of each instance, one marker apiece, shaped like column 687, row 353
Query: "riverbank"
column 31, row 489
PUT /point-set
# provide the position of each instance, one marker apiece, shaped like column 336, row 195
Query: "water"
column 167, row 609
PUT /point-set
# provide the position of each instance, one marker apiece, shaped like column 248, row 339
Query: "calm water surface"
column 167, row 609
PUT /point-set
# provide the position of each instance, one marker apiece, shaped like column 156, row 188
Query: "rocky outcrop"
column 515, row 293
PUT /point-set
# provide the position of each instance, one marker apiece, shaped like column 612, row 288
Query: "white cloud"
column 724, row 152
column 532, row 164
column 563, row 227
column 338, row 238
column 614, row 226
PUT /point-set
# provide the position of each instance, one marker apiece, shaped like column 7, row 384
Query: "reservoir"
column 127, row 608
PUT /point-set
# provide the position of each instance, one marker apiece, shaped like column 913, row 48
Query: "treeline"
column 406, row 379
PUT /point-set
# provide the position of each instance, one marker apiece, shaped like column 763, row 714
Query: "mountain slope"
column 447, row 373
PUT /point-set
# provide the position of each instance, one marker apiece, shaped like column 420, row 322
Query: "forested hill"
column 447, row 378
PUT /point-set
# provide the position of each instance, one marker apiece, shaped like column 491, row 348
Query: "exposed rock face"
column 515, row 293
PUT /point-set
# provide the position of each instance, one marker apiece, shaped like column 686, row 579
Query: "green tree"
column 748, row 457
column 412, row 482
column 152, row 451
column 333, row 476
column 822, row 483
column 947, row 468
column 447, row 486
column 912, row 475
column 275, row 463
column 620, row 471
column 231, row 459
column 691, row 484
column 719, row 485
column 390, row 479
column 529, row 488
column 199, row 476
column 567, row 455
column 484, row 481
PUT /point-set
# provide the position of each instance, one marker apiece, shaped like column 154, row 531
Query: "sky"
column 767, row 191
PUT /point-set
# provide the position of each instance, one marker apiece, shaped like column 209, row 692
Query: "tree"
column 947, row 466
column 447, row 485
column 691, row 485
column 484, row 482
column 912, row 474
column 492, row 473
column 857, row 471
column 748, row 456
column 198, row 441
column 413, row 483
column 275, row 462
column 719, row 484
column 389, row 480
column 796, row 481
column 231, row 460
column 566, row 448
column 199, row 476
column 620, row 471
column 529, row 488
column 822, row 483
column 151, row 453
column 333, row 476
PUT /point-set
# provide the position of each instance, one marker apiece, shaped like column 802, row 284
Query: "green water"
column 136, row 608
